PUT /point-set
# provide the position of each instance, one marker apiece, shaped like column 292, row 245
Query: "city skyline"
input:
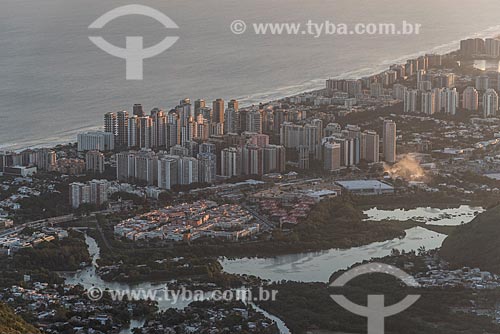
column 211, row 214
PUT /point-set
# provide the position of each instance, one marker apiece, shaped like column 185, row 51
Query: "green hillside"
column 476, row 244
column 10, row 323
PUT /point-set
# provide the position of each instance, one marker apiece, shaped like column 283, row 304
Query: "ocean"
column 56, row 83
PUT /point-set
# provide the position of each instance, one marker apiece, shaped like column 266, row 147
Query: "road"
column 266, row 222
column 103, row 237
column 37, row 224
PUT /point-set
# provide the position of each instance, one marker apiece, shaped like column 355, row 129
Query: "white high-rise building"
column 444, row 80
column 216, row 129
column 390, row 77
column 159, row 129
column 94, row 162
column 398, row 92
column 96, row 141
column 450, row 99
column 111, row 123
column 376, row 89
column 470, row 100
column 187, row 171
column 291, row 135
column 421, row 75
column 98, row 192
column 202, row 127
column 492, row 46
column 252, row 161
column 410, row 101
column 231, row 162
column 295, row 136
column 93, row 192
column 438, row 101
column 137, row 166
column 207, row 167
column 198, row 105
column 140, row 132
column 274, row 158
column 331, row 156
column 145, row 134
column 173, row 132
column 132, row 131
column 167, row 172
column 122, row 128
column 423, row 86
column 482, row 82
column 184, row 111
column 370, row 146
column 428, row 105
column 254, row 121
column 490, row 103
column 348, row 151
column 125, row 165
column 42, row 158
column 232, row 121
column 79, row 194
column 389, row 141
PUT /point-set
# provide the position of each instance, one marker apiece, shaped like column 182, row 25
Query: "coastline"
column 310, row 85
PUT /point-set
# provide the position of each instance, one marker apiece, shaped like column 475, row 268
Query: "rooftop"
column 364, row 184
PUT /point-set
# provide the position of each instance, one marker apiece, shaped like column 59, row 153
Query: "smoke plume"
column 407, row 168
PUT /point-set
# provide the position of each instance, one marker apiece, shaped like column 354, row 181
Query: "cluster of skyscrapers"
column 93, row 192
column 185, row 123
column 436, row 89
column 338, row 147
column 428, row 100
column 377, row 83
column 193, row 143
column 178, row 167
column 43, row 158
column 475, row 47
